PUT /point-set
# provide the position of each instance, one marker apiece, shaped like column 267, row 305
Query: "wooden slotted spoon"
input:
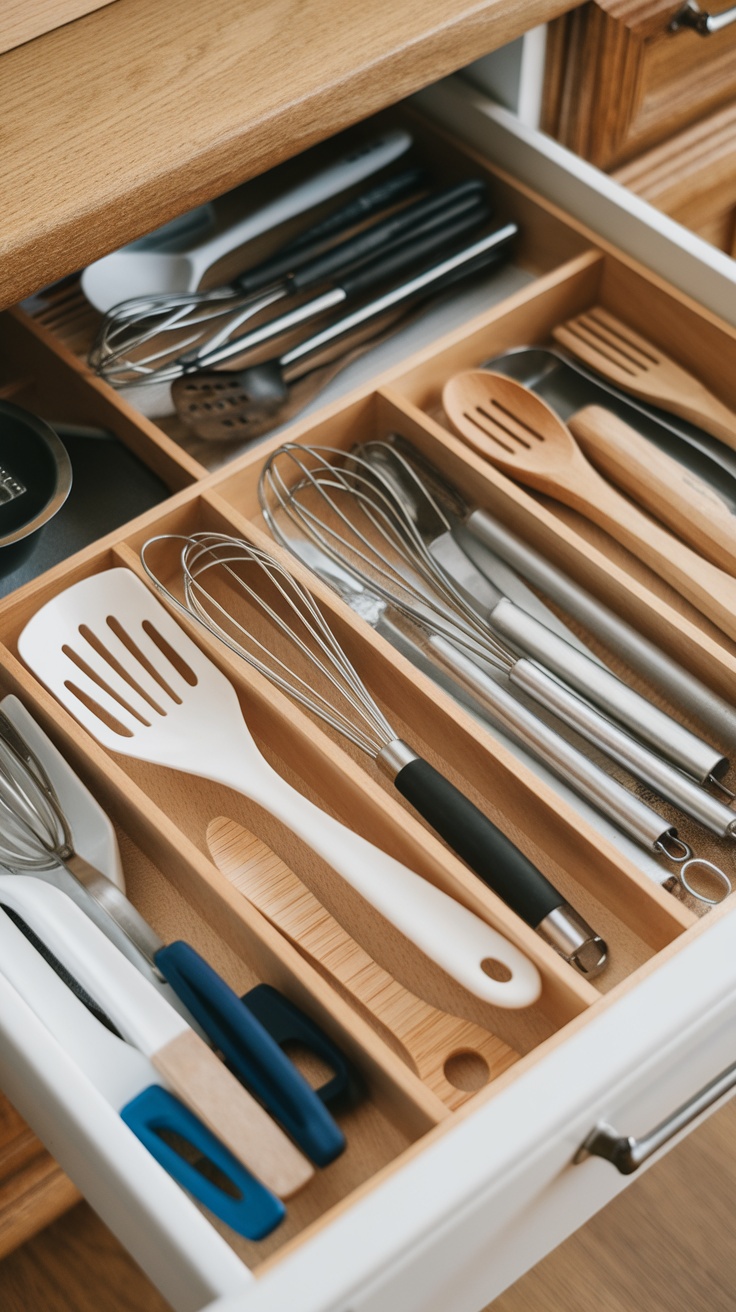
column 512, row 428
column 637, row 366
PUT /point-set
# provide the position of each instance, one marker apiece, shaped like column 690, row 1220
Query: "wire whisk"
column 295, row 614
column 355, row 517
column 350, row 513
column 230, row 587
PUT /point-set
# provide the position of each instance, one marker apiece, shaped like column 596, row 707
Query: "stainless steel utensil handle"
column 644, row 764
column 476, row 250
column 627, row 1154
column 670, row 739
column 608, row 796
column 692, row 16
column 682, row 749
column 114, row 914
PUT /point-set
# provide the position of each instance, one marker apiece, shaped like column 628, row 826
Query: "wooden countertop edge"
column 133, row 114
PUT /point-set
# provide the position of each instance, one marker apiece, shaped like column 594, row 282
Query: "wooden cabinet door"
column 619, row 81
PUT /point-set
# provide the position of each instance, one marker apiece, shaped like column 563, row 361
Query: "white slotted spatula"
column 115, row 657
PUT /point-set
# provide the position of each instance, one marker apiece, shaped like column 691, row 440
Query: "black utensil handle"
column 362, row 207
column 422, row 216
column 475, row 838
column 475, row 254
column 413, row 251
column 311, row 241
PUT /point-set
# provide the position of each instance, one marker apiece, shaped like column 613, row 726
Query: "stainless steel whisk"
column 230, row 587
column 351, row 510
column 36, row 839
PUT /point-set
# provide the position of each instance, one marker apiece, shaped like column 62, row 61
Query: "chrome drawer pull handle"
column 628, row 1154
column 692, row 16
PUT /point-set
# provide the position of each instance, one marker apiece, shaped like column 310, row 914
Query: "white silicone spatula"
column 130, row 674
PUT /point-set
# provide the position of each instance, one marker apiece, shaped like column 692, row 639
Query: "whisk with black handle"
column 231, row 587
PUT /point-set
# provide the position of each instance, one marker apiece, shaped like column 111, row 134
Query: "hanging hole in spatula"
column 467, row 1071
column 495, row 970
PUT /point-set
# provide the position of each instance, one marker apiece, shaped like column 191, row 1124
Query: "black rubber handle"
column 362, row 207
column 310, row 243
column 436, row 238
column 475, row 838
column 413, row 221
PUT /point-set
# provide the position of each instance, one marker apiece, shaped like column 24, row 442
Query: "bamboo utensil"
column 512, row 428
column 428, row 1039
column 635, row 364
column 114, row 656
column 685, row 503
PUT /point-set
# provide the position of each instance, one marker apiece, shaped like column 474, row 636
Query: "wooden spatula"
column 438, row 1047
column 514, row 429
column 634, row 364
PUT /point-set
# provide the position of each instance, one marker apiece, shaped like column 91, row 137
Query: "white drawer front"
column 466, row 1217
column 174, row 1244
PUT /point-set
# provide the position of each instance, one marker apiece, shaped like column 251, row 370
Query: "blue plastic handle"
column 251, row 1053
column 246, row 1205
column 288, row 1024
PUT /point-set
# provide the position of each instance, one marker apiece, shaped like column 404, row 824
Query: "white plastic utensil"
column 130, row 674
column 133, row 272
column 145, row 1020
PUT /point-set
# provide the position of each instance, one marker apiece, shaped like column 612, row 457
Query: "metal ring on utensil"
column 713, row 869
column 682, row 852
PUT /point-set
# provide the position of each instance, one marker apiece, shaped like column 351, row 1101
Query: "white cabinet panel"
column 468, row 1215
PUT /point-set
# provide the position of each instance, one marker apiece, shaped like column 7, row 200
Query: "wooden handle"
column 710, row 589
column 425, row 1037
column 207, row 1087
column 686, row 503
column 683, row 395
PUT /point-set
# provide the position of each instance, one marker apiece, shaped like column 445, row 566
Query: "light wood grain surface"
column 133, row 114
column 22, row 20
column 665, row 1244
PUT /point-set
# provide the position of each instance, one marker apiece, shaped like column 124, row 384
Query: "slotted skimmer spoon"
column 635, row 364
column 511, row 427
column 121, row 664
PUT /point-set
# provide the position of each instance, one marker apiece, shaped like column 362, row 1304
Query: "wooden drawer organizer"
column 162, row 816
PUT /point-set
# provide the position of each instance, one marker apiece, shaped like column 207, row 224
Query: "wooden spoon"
column 692, row 508
column 439, row 1048
column 515, row 430
column 614, row 350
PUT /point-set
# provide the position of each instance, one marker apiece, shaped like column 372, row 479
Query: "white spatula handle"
column 346, row 172
column 450, row 934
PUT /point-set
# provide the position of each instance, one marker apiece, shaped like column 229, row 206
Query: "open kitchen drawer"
column 430, row 1207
